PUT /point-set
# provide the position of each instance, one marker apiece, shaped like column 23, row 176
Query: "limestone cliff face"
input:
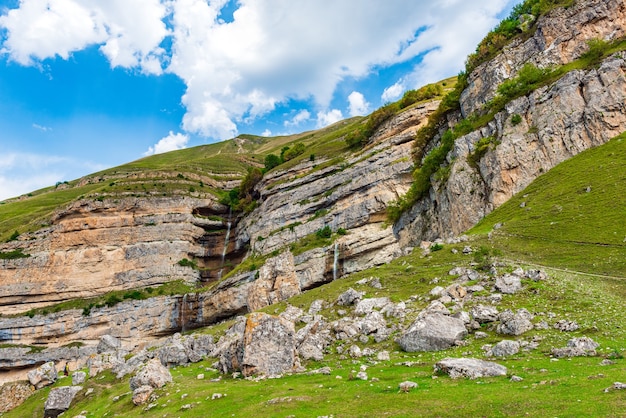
column 561, row 37
column 94, row 247
column 581, row 110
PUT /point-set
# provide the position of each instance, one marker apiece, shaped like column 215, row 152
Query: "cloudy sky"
column 90, row 84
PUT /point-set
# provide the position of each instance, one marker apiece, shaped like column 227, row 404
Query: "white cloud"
column 300, row 117
column 357, row 104
column 171, row 142
column 393, row 92
column 328, row 118
column 41, row 127
column 266, row 132
column 129, row 35
column 271, row 52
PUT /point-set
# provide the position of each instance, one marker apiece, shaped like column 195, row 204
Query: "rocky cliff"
column 584, row 108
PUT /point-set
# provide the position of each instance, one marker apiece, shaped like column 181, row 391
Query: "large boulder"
column 515, row 323
column 152, row 374
column 269, row 346
column 484, row 313
column 366, row 306
column 349, row 297
column 229, row 349
column 142, row 394
column 44, row 375
column 432, row 332
column 313, row 339
column 509, row 283
column 505, row 348
column 109, row 344
column 469, row 367
column 59, row 400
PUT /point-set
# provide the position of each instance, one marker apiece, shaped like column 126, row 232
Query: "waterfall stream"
column 335, row 261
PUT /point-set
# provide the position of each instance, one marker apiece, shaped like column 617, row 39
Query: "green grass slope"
column 571, row 217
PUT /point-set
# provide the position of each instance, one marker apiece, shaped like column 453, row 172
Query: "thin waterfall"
column 336, row 261
column 226, row 239
column 182, row 313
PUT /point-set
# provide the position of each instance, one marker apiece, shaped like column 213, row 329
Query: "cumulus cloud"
column 129, row 35
column 171, row 142
column 357, row 104
column 270, row 52
column 328, row 118
column 393, row 92
column 300, row 117
column 266, row 132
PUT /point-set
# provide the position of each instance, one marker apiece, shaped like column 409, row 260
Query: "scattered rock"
column 78, row 378
column 606, row 362
column 516, row 379
column 383, row 356
column 469, row 367
column 217, row 396
column 456, row 292
column 13, row 395
column 515, row 323
column 44, row 375
column 536, row 275
column 361, row 375
column 505, row 348
column 349, row 297
column 436, row 291
column 566, row 326
column 355, row 352
column 292, row 313
column 577, row 347
column 109, row 344
column 152, row 374
column 484, row 313
column 324, row 370
column 480, row 335
column 316, row 306
column 59, row 400
column 142, row 394
column 200, row 376
column 432, row 332
column 509, row 284
column 406, row 386
column 366, row 306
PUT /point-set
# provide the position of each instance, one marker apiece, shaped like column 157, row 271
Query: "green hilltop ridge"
column 573, row 290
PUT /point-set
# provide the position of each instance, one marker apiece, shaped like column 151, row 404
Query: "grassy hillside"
column 562, row 226
column 571, row 217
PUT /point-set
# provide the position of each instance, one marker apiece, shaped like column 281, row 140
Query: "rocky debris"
column 435, row 307
column 59, row 400
column 313, row 339
column 229, row 348
column 619, row 386
column 469, row 367
column 105, row 361
column 153, row 374
column 362, row 375
column 78, row 378
column 109, row 344
column 292, row 313
column 366, row 306
column 514, row 323
column 484, row 313
column 324, row 370
column 566, row 326
column 355, row 351
column 505, row 348
column 142, row 394
column 349, row 297
column 13, row 395
column 536, row 275
column 577, row 347
column 509, row 283
column 383, row 356
column 432, row 332
column 44, row 375
column 406, row 386
column 515, row 378
column 178, row 350
column 480, row 335
column 456, row 292
column 269, row 346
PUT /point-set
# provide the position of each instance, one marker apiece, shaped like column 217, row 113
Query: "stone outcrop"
column 153, row 374
column 59, row 400
column 14, row 394
column 44, row 375
column 469, row 367
column 432, row 332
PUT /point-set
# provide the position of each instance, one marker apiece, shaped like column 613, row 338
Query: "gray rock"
column 383, row 356
column 355, row 352
column 566, row 326
column 349, row 297
column 432, row 332
column 515, row 323
column 78, row 378
column 515, row 378
column 536, row 275
column 484, row 313
column 109, row 344
column 469, row 367
column 435, row 307
column 505, row 348
column 44, row 375
column 269, row 346
column 480, row 335
column 229, row 349
column 619, row 386
column 456, row 292
column 316, row 306
column 152, row 374
column 313, row 339
column 142, row 394
column 361, row 375
column 292, row 313
column 577, row 347
column 59, row 400
column 436, row 291
column 366, row 306
column 509, row 284
column 406, row 386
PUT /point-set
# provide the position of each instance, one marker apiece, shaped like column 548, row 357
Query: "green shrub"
column 597, row 49
column 424, row 93
column 12, row 255
column 187, row 263
column 292, row 153
column 134, row 294
column 516, row 119
column 271, row 161
column 341, row 231
column 436, row 247
column 482, row 146
column 112, row 300
column 325, row 232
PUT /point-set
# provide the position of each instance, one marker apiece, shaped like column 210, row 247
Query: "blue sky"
column 86, row 85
